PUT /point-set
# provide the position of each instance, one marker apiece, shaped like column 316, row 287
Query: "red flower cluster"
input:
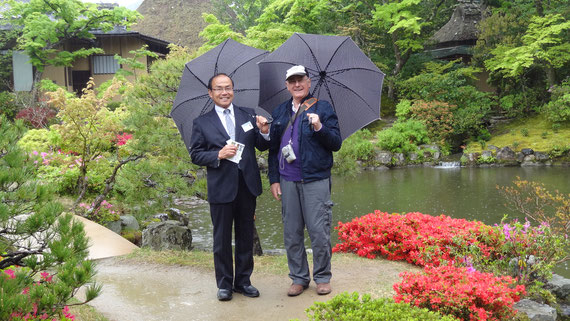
column 123, row 138
column 467, row 295
column 418, row 238
column 38, row 117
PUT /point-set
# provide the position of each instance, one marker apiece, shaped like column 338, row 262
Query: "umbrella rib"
column 312, row 54
column 218, row 57
column 343, row 86
column 340, row 71
column 243, row 64
column 190, row 71
column 334, row 53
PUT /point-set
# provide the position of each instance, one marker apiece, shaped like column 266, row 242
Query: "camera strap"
column 307, row 104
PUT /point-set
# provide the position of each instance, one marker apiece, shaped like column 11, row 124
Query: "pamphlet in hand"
column 240, row 147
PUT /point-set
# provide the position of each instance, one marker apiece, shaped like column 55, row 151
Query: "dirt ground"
column 140, row 292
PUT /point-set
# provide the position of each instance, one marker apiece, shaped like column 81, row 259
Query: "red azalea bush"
column 461, row 292
column 123, row 138
column 418, row 238
column 37, row 117
column 9, row 280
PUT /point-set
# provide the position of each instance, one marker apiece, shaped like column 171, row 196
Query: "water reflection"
column 468, row 193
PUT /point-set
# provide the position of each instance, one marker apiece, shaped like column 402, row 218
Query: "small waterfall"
column 449, row 165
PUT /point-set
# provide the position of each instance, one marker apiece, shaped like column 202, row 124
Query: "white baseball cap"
column 296, row 70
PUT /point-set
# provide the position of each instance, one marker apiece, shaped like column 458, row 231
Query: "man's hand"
column 227, row 151
column 276, row 190
column 262, row 124
column 315, row 121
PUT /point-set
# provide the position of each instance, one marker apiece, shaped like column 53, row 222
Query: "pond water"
column 468, row 193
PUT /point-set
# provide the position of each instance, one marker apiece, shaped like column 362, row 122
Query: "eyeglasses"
column 220, row 89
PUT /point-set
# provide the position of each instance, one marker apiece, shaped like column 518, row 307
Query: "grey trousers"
column 307, row 205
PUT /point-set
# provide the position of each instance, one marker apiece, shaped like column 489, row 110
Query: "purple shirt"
column 291, row 171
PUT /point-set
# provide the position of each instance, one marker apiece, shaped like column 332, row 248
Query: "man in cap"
column 224, row 140
column 304, row 133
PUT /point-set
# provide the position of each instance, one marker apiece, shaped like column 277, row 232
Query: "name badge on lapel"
column 247, row 126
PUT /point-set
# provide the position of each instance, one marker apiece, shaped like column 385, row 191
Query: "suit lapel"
column 241, row 118
column 214, row 119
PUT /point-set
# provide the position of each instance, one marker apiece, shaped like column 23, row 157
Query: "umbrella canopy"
column 340, row 73
column 230, row 57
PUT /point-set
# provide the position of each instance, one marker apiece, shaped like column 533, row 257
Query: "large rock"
column 129, row 222
column 114, row 226
column 541, row 156
column 560, row 286
column 536, row 311
column 178, row 215
column 506, row 154
column 384, row 157
column 486, row 154
column 527, row 151
column 400, row 159
column 167, row 235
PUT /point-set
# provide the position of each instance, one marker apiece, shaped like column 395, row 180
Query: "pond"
column 468, row 193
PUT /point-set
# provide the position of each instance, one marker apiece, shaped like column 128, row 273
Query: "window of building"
column 105, row 65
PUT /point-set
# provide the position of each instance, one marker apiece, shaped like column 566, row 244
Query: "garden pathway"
column 134, row 291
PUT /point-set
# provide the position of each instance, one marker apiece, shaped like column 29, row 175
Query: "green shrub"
column 558, row 109
column 40, row 140
column 524, row 132
column 403, row 137
column 403, row 109
column 349, row 307
column 357, row 147
column 8, row 105
column 486, row 160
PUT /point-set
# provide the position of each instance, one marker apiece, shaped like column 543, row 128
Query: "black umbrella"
column 230, row 57
column 340, row 73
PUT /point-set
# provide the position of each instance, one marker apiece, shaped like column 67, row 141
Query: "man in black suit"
column 223, row 140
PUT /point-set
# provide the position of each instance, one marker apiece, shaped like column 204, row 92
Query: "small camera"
column 288, row 153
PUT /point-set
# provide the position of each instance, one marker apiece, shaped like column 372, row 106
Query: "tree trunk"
column 35, row 88
column 109, row 182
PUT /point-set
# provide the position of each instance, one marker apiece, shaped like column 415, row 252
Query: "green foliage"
column 542, row 44
column 46, row 26
column 215, row 33
column 524, row 132
column 166, row 168
column 134, row 62
column 40, row 140
column 8, row 105
column 240, row 15
column 486, row 160
column 348, row 307
column 403, row 109
column 449, row 83
column 357, row 147
column 558, row 109
column 58, row 251
column 437, row 116
column 403, row 137
column 87, row 127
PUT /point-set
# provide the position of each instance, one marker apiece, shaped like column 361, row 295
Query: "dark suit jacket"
column 209, row 136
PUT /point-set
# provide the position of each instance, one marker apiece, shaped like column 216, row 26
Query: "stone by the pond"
column 114, row 226
column 560, row 286
column 506, row 154
column 167, row 235
column 536, row 311
column 129, row 222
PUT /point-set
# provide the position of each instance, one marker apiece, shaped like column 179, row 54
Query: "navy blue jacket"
column 315, row 147
column 209, row 136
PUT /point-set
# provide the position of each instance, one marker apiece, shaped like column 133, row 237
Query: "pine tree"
column 43, row 250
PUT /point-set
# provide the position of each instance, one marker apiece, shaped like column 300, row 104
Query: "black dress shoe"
column 247, row 290
column 224, row 295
